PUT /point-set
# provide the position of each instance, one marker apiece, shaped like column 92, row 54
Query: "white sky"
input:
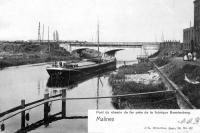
column 120, row 20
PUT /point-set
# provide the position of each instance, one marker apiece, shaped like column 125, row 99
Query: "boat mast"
column 48, row 33
column 98, row 36
column 162, row 37
column 48, row 41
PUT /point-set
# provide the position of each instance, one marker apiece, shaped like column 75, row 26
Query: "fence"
column 47, row 118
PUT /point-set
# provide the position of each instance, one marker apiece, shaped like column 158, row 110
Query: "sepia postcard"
column 100, row 66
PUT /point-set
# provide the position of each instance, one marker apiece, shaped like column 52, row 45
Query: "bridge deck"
column 89, row 44
column 113, row 44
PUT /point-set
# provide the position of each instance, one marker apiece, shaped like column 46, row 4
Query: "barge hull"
column 72, row 74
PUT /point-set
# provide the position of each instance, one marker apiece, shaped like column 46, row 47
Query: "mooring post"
column 23, row 119
column 63, row 103
column 46, row 110
column 70, row 47
column 119, row 102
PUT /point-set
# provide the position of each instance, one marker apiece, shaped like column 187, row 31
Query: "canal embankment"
column 186, row 75
column 15, row 54
column 169, row 59
column 141, row 78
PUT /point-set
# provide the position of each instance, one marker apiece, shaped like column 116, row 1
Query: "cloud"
column 122, row 20
column 165, row 5
column 3, row 24
column 2, row 2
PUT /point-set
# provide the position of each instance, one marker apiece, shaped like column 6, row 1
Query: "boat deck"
column 84, row 63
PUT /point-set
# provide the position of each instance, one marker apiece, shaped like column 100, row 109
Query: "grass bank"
column 7, row 62
column 161, row 61
column 192, row 91
column 15, row 54
column 159, row 101
column 130, row 69
column 140, row 102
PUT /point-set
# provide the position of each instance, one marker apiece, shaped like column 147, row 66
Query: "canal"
column 30, row 82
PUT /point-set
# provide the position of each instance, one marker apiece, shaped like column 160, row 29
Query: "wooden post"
column 46, row 110
column 63, row 103
column 119, row 102
column 70, row 48
column 23, row 120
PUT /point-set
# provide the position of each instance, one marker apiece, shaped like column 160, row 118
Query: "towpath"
column 179, row 61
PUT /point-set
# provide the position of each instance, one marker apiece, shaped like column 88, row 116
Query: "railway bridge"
column 72, row 45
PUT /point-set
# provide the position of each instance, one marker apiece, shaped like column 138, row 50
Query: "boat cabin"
column 65, row 64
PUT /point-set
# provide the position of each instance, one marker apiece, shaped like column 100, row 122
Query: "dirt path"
column 180, row 62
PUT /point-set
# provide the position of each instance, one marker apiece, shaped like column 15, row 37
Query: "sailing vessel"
column 70, row 70
column 63, row 83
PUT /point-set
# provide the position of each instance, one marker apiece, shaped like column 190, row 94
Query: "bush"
column 190, row 90
column 161, row 61
column 155, row 54
column 136, row 68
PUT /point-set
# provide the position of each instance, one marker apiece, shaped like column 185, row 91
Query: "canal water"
column 29, row 82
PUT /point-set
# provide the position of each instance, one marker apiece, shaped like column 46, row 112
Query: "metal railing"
column 47, row 118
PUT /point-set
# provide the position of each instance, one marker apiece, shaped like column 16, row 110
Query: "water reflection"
column 62, row 88
column 38, row 87
column 98, row 79
column 62, row 83
column 32, row 82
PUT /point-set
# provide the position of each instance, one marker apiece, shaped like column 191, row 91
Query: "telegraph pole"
column 48, row 41
column 39, row 36
column 48, row 33
column 43, row 32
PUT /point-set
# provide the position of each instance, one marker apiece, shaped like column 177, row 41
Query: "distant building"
column 191, row 36
column 197, row 22
column 171, row 44
column 170, row 48
column 188, row 37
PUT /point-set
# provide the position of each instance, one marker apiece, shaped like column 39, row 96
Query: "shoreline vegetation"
column 192, row 91
column 173, row 66
column 120, row 86
column 16, row 54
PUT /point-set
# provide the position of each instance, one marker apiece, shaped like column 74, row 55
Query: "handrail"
column 26, row 105
column 84, row 98
column 10, row 110
column 29, row 104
